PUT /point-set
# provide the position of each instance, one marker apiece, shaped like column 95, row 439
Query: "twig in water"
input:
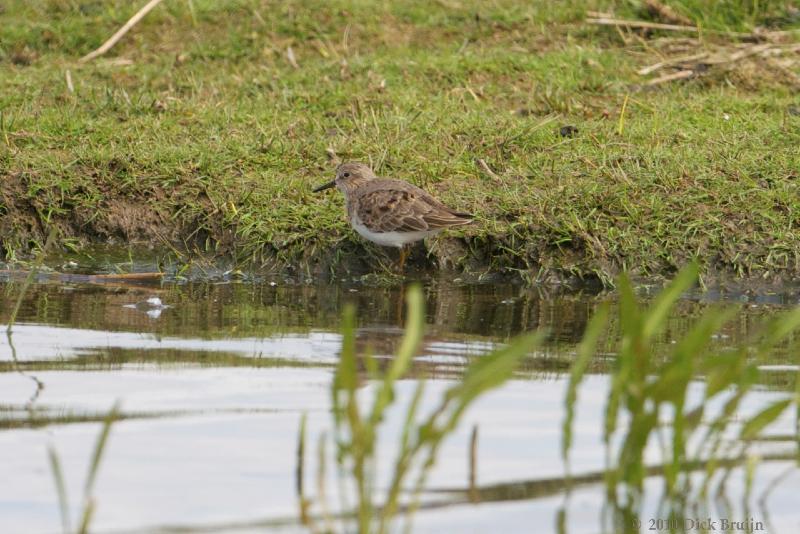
column 105, row 47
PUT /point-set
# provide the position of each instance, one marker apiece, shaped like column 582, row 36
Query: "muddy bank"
column 146, row 227
column 146, row 222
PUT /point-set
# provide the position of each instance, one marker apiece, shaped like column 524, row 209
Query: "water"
column 213, row 386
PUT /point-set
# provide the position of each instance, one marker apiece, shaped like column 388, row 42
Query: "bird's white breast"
column 389, row 239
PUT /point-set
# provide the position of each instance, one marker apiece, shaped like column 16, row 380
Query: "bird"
column 391, row 213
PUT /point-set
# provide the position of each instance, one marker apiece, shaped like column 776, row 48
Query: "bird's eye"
column 346, row 175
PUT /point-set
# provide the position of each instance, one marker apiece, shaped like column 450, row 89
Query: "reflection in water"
column 213, row 388
column 152, row 307
column 223, row 309
column 288, row 322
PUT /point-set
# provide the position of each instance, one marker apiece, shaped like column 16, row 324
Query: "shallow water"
column 213, row 387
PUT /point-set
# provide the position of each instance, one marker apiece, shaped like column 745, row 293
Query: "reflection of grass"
column 12, row 417
column 651, row 395
column 37, row 264
column 14, row 363
column 114, row 359
column 546, row 487
column 357, row 423
column 649, row 381
column 649, row 387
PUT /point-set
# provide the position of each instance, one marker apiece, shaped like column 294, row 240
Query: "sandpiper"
column 391, row 213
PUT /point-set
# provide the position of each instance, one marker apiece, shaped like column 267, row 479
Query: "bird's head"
column 348, row 176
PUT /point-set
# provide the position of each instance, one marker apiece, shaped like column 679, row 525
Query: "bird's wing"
column 405, row 210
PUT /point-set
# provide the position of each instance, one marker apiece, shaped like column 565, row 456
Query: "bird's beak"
column 323, row 187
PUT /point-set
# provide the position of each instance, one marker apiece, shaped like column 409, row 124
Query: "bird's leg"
column 403, row 255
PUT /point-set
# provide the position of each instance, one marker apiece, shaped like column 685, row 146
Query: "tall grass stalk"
column 357, row 423
column 650, row 392
column 88, row 504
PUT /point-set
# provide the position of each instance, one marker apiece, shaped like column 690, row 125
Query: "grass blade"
column 99, row 447
column 753, row 426
column 491, row 371
column 412, row 339
column 656, row 316
column 86, row 519
column 629, row 318
column 586, row 350
column 677, row 373
column 97, row 455
column 299, row 474
column 346, row 377
column 779, row 328
column 301, row 456
column 61, row 489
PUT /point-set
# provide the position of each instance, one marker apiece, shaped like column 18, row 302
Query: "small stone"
column 568, row 131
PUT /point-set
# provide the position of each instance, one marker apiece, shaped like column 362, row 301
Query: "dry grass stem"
column 680, row 75
column 671, row 63
column 666, row 13
column 290, row 57
column 105, row 47
column 68, row 78
column 482, row 165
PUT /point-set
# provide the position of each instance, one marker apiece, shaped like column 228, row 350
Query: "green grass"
column 733, row 15
column 648, row 402
column 206, row 135
column 651, row 390
column 357, row 425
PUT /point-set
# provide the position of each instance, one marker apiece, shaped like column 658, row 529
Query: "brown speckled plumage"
column 385, row 205
column 391, row 212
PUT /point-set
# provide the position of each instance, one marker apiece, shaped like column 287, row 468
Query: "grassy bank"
column 199, row 130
